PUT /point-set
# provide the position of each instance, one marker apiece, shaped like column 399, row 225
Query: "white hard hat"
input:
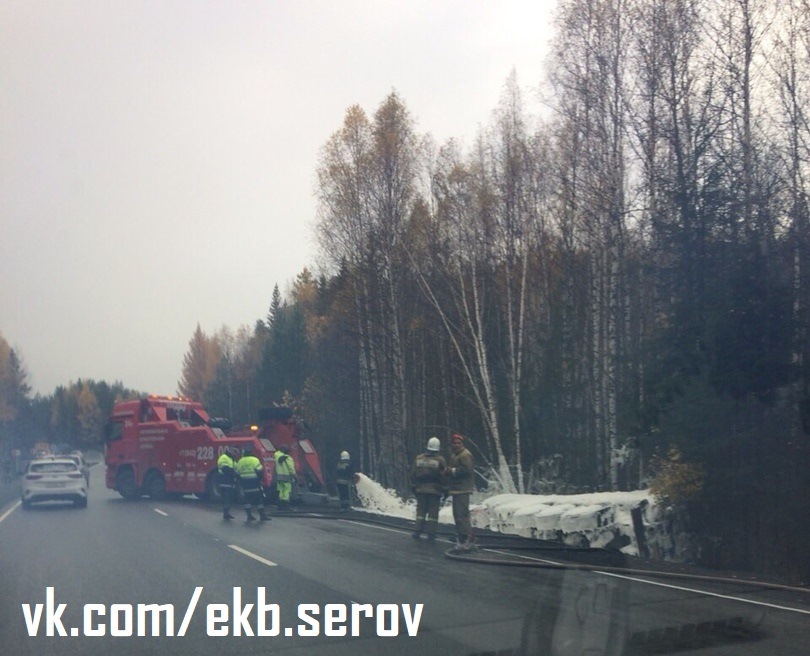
column 344, row 455
column 434, row 444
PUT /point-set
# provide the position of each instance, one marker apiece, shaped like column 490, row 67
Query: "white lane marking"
column 250, row 554
column 160, row 512
column 710, row 594
column 623, row 576
column 669, row 585
column 9, row 511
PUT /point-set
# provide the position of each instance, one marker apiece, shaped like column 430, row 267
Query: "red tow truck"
column 168, row 446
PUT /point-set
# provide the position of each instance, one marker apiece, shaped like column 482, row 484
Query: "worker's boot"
column 226, row 513
column 250, row 516
column 263, row 516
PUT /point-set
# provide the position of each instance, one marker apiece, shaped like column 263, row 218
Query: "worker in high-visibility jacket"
column 226, row 480
column 284, row 477
column 250, row 472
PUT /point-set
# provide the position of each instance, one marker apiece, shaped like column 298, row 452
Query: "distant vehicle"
column 168, row 445
column 41, row 449
column 78, row 458
column 53, row 478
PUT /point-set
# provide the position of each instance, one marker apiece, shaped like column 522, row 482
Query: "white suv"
column 53, row 478
column 78, row 458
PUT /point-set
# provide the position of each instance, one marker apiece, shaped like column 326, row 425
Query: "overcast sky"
column 157, row 158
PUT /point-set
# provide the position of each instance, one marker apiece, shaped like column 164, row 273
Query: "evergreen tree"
column 275, row 307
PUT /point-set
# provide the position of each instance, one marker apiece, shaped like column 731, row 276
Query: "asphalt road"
column 107, row 561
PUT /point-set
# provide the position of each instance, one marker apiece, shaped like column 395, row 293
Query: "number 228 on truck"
column 168, row 446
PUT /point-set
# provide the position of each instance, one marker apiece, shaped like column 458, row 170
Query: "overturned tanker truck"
column 163, row 446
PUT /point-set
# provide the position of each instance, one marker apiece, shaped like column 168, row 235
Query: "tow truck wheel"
column 155, row 486
column 125, row 484
column 211, row 493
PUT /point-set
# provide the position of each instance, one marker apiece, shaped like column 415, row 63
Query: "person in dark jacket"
column 344, row 478
column 226, row 480
column 427, row 484
column 461, row 484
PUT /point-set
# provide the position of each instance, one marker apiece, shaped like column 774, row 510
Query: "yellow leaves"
column 7, row 411
column 13, row 386
column 677, row 480
column 77, row 413
column 199, row 365
column 305, row 295
column 304, row 289
column 416, row 324
column 90, row 416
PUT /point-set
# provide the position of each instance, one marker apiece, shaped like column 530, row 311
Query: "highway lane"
column 138, row 553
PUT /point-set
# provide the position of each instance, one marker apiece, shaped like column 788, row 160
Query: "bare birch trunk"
column 475, row 323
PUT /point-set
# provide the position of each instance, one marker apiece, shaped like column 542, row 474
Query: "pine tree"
column 275, row 307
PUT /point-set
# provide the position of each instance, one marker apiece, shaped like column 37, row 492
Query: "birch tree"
column 365, row 189
column 230, row 393
column 394, row 165
column 790, row 63
column 345, row 234
column 736, row 31
column 459, row 285
column 590, row 82
column 521, row 199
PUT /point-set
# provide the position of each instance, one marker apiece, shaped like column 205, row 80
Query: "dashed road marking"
column 10, row 510
column 250, row 554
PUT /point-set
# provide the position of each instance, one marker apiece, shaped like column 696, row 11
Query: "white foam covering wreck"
column 596, row 520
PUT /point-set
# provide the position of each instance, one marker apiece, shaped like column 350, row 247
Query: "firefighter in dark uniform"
column 226, row 480
column 427, row 484
column 250, row 472
column 344, row 477
column 461, row 484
